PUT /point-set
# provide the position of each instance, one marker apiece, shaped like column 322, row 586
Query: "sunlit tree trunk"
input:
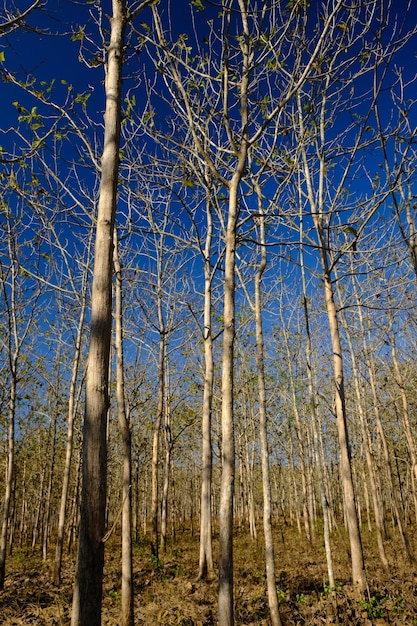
column 167, row 464
column 127, row 617
column 157, row 425
column 206, row 567
column 86, row 610
column 263, row 429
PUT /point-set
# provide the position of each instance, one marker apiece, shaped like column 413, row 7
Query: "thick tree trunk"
column 89, row 572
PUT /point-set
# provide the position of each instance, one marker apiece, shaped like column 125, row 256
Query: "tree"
column 124, row 427
column 90, row 560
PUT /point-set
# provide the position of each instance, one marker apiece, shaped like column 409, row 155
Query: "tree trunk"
column 127, row 617
column 358, row 566
column 225, row 598
column 86, row 610
column 155, row 446
column 167, row 466
column 263, row 430
column 206, row 567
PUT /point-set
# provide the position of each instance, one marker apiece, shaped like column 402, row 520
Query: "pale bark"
column 86, row 610
column 156, row 433
column 167, row 465
column 225, row 598
column 263, row 429
column 206, row 567
column 127, row 616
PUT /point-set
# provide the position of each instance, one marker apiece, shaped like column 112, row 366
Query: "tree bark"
column 127, row 617
column 263, row 430
column 206, row 567
column 86, row 610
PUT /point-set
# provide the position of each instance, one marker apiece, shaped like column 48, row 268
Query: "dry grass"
column 167, row 592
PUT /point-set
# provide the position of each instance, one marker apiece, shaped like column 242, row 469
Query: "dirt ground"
column 166, row 591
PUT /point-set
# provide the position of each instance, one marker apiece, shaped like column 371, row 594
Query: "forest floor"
column 167, row 593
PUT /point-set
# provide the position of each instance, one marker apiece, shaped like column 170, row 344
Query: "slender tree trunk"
column 127, row 617
column 206, row 567
column 263, row 430
column 86, row 610
column 358, row 567
column 225, row 600
column 155, row 446
column 167, row 466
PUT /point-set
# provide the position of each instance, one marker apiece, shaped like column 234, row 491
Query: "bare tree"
column 90, row 560
column 127, row 618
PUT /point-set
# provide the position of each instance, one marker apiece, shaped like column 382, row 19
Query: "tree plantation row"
column 208, row 296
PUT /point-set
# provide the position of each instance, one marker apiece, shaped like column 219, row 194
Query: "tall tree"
column 127, row 618
column 87, row 599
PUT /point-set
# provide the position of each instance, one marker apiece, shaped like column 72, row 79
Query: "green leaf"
column 198, row 4
column 79, row 35
column 2, row 56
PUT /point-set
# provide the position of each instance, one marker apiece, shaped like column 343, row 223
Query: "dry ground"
column 167, row 592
